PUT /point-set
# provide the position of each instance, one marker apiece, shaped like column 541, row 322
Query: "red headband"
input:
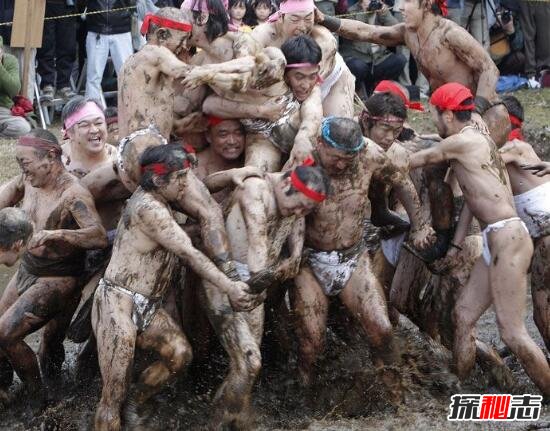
column 515, row 120
column 302, row 188
column 443, row 7
column 386, row 86
column 163, row 22
column 450, row 96
column 386, row 119
column 516, row 134
column 163, row 169
column 33, row 141
column 111, row 120
column 214, row 121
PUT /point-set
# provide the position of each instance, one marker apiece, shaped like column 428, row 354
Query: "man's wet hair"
column 314, row 177
column 111, row 112
column 461, row 116
column 218, row 20
column 382, row 104
column 75, row 104
column 15, row 226
column 171, row 155
column 301, row 49
column 434, row 6
column 514, row 107
column 172, row 13
column 346, row 133
column 47, row 136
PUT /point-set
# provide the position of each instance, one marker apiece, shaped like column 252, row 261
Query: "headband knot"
column 387, row 86
column 450, row 97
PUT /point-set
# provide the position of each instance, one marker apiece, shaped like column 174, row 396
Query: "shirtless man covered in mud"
column 499, row 276
column 294, row 18
column 15, row 231
column 264, row 215
column 66, row 224
column 532, row 201
column 338, row 263
column 127, row 304
column 444, row 52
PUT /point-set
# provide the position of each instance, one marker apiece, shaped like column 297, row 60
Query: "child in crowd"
column 258, row 12
column 237, row 11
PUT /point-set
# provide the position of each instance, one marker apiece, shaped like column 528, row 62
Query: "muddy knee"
column 182, row 355
column 512, row 335
column 107, row 418
column 252, row 362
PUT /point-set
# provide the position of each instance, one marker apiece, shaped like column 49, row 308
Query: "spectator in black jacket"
column 58, row 51
column 108, row 33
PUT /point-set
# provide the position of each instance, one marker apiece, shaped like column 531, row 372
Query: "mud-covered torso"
column 337, row 223
column 51, row 210
column 278, row 231
column 138, row 263
column 145, row 95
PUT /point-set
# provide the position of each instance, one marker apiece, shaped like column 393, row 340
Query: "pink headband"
column 89, row 109
column 300, row 65
column 292, row 6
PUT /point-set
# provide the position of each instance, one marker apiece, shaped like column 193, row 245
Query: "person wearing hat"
column 11, row 125
column 499, row 276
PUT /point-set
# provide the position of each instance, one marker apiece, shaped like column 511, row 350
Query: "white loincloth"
column 334, row 76
column 494, row 227
column 391, row 247
column 533, row 207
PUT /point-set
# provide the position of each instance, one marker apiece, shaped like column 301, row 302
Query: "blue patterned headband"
column 325, row 134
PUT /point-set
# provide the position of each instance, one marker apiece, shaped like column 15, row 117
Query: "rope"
column 72, row 15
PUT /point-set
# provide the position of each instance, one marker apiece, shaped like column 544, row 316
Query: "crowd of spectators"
column 516, row 32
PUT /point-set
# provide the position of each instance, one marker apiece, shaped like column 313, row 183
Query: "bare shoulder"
column 398, row 154
column 322, row 35
column 265, row 34
column 75, row 190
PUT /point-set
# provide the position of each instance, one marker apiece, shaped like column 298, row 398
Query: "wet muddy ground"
column 346, row 396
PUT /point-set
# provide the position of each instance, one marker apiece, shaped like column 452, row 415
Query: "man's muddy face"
column 10, row 256
column 302, row 81
column 36, row 169
column 227, row 139
column 335, row 162
column 112, row 134
column 384, row 133
column 297, row 24
column 177, row 41
column 262, row 12
column 198, row 33
column 438, row 120
column 413, row 13
column 294, row 203
column 90, row 134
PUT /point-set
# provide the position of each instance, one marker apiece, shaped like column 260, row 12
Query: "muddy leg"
column 51, row 352
column 540, row 288
column 111, row 320
column 471, row 303
column 364, row 298
column 339, row 101
column 164, row 336
column 240, row 334
column 508, row 278
column 9, row 296
column 262, row 153
column 310, row 307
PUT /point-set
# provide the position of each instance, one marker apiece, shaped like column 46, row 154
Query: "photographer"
column 507, row 43
column 371, row 63
column 535, row 23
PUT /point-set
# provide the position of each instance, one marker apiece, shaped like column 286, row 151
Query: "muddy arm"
column 511, row 153
column 197, row 202
column 105, row 185
column 223, row 179
column 463, row 224
column 12, row 191
column 255, row 218
column 290, row 266
column 224, row 108
column 163, row 59
column 467, row 49
column 356, row 30
column 311, row 114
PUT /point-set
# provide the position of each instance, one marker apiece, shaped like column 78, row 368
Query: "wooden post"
column 28, row 25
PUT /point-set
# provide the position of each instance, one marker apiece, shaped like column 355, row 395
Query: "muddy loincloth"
column 391, row 247
column 494, row 227
column 124, row 141
column 33, row 267
column 332, row 269
column 333, row 77
column 144, row 309
column 533, row 207
column 280, row 133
